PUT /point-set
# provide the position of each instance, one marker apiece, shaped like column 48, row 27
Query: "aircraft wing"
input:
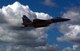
column 35, row 20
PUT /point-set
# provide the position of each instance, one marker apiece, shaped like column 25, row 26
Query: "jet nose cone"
column 66, row 19
column 60, row 20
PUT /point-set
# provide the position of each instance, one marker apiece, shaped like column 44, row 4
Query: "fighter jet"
column 37, row 23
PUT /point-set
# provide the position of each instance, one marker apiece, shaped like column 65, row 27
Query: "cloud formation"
column 22, row 48
column 49, row 3
column 15, row 38
column 74, row 48
column 71, row 29
column 10, row 26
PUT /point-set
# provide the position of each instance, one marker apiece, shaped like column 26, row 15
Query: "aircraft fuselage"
column 40, row 23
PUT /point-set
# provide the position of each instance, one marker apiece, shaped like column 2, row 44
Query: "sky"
column 65, row 35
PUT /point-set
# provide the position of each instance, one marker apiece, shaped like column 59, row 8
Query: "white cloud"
column 71, row 29
column 10, row 26
column 15, row 38
column 49, row 3
column 74, row 15
column 23, row 48
column 46, row 48
column 74, row 48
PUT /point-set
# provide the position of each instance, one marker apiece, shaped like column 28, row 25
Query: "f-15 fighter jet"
column 37, row 23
